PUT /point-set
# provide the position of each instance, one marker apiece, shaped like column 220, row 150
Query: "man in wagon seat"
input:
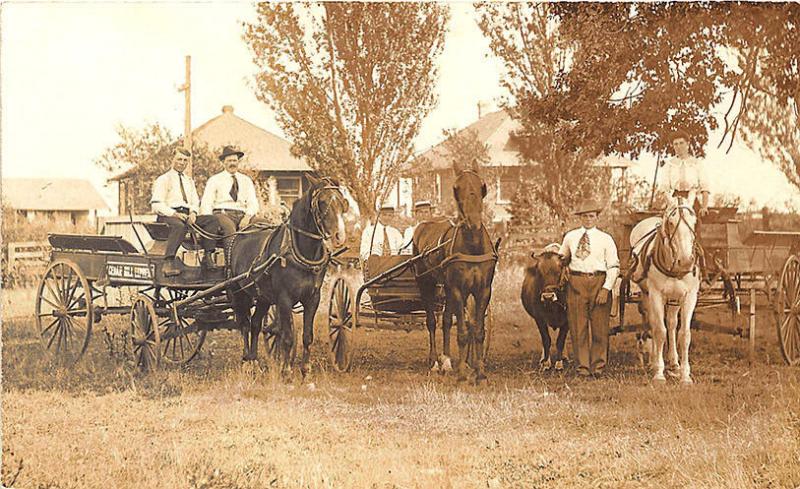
column 423, row 211
column 593, row 267
column 230, row 195
column 381, row 238
column 176, row 203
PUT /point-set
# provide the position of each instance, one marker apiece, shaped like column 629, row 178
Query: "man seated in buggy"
column 176, row 203
column 381, row 238
column 423, row 211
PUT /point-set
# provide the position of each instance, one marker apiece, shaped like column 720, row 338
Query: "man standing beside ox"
column 593, row 267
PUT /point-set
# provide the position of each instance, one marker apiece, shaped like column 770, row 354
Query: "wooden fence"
column 24, row 262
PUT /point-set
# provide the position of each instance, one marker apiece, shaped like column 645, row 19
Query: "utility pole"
column 186, row 88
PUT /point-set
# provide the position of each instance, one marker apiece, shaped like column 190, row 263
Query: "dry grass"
column 216, row 424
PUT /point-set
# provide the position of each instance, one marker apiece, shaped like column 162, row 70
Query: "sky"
column 71, row 73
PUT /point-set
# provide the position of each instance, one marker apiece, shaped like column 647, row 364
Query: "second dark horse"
column 299, row 251
column 461, row 256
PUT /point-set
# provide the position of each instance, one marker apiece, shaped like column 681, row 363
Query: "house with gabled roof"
column 69, row 201
column 281, row 174
column 495, row 130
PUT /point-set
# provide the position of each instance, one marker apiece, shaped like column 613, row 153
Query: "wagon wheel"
column 64, row 311
column 269, row 327
column 181, row 337
column 145, row 337
column 341, row 327
column 787, row 310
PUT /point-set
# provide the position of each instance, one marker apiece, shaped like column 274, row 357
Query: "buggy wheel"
column 64, row 311
column 272, row 336
column 341, row 327
column 145, row 337
column 182, row 339
column 787, row 309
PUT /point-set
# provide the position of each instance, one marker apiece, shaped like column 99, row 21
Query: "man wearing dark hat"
column 381, row 238
column 176, row 203
column 230, row 195
column 423, row 211
column 593, row 266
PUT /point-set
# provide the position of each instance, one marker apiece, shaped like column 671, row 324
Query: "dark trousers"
column 228, row 221
column 588, row 323
column 177, row 232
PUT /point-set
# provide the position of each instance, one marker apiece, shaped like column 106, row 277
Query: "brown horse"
column 299, row 252
column 460, row 256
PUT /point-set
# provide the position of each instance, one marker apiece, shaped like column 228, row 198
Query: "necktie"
column 183, row 190
column 583, row 246
column 386, row 250
column 235, row 189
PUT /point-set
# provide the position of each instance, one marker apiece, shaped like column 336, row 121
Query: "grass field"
column 392, row 424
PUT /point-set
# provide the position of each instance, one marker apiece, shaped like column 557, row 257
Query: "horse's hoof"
column 659, row 379
column 545, row 365
column 687, row 381
column 480, row 378
column 559, row 366
column 674, row 371
column 447, row 365
column 435, row 366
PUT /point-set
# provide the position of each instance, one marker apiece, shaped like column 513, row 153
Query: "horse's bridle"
column 669, row 237
column 461, row 215
column 321, row 233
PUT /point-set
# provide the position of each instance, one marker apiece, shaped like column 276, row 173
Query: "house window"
column 289, row 189
column 437, row 188
column 506, row 188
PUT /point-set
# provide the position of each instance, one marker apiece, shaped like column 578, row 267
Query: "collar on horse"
column 658, row 242
column 452, row 257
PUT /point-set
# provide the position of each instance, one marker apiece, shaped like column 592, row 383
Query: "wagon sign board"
column 130, row 272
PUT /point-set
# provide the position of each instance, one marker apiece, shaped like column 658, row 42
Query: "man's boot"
column 171, row 267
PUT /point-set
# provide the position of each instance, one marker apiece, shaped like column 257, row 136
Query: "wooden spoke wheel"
column 180, row 336
column 272, row 336
column 787, row 310
column 145, row 337
column 64, row 311
column 341, row 327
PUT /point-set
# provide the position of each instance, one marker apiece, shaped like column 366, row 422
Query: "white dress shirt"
column 407, row 247
column 167, row 194
column 374, row 245
column 217, row 194
column 685, row 174
column 602, row 254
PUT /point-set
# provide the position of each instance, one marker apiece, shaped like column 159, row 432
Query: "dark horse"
column 461, row 257
column 544, row 298
column 297, row 254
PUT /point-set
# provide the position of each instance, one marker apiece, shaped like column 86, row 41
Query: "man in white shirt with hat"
column 593, row 266
column 381, row 238
column 230, row 195
column 423, row 211
column 176, row 203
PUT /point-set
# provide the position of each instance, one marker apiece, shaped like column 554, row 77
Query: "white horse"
column 669, row 277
